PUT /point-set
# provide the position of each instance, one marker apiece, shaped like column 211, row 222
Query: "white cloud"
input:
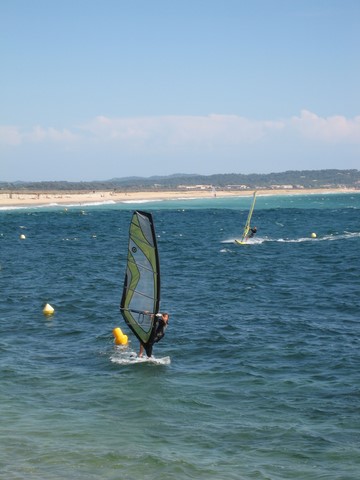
column 178, row 131
column 329, row 130
column 9, row 135
column 168, row 133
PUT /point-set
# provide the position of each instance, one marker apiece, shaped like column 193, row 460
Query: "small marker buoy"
column 22, row 237
column 313, row 235
column 120, row 337
column 48, row 310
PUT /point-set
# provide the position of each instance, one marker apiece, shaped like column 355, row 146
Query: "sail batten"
column 141, row 293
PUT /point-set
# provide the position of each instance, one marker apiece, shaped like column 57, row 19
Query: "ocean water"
column 263, row 375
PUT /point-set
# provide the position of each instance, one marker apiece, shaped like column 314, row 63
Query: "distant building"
column 195, row 187
column 237, row 187
column 281, row 187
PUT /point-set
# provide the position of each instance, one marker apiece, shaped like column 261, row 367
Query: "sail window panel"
column 145, row 228
column 144, row 322
column 140, row 323
column 143, row 298
column 141, row 255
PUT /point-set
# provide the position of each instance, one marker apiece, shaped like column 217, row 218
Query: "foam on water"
column 133, row 359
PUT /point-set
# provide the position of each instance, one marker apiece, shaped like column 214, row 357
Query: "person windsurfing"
column 161, row 324
column 252, row 232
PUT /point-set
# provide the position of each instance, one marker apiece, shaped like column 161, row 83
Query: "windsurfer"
column 161, row 323
column 252, row 232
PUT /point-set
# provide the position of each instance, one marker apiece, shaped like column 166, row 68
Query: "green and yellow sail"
column 248, row 222
column 141, row 293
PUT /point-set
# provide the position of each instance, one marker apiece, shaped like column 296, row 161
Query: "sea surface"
column 263, row 375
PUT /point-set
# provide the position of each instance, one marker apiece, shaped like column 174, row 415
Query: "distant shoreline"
column 28, row 199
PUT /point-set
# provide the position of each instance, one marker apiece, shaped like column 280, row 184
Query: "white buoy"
column 313, row 235
column 22, row 237
column 48, row 310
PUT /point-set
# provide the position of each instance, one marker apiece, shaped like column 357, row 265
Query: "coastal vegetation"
column 292, row 179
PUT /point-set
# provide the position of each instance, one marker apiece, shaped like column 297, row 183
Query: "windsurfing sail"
column 141, row 293
column 248, row 221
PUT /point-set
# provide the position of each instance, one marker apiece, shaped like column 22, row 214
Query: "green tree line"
column 295, row 178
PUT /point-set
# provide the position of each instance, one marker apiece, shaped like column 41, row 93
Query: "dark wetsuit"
column 159, row 330
column 252, row 232
column 157, row 335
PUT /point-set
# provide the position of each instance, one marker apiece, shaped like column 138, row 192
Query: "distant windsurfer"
column 252, row 232
column 161, row 324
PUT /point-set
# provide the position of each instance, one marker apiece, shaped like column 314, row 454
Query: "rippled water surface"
column 263, row 375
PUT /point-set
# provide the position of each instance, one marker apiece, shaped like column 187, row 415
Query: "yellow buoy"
column 313, row 235
column 120, row 337
column 22, row 236
column 48, row 310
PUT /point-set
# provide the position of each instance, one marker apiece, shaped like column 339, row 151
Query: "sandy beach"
column 22, row 199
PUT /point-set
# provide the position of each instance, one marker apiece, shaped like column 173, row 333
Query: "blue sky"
column 92, row 90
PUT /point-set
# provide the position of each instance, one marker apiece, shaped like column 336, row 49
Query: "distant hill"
column 289, row 179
